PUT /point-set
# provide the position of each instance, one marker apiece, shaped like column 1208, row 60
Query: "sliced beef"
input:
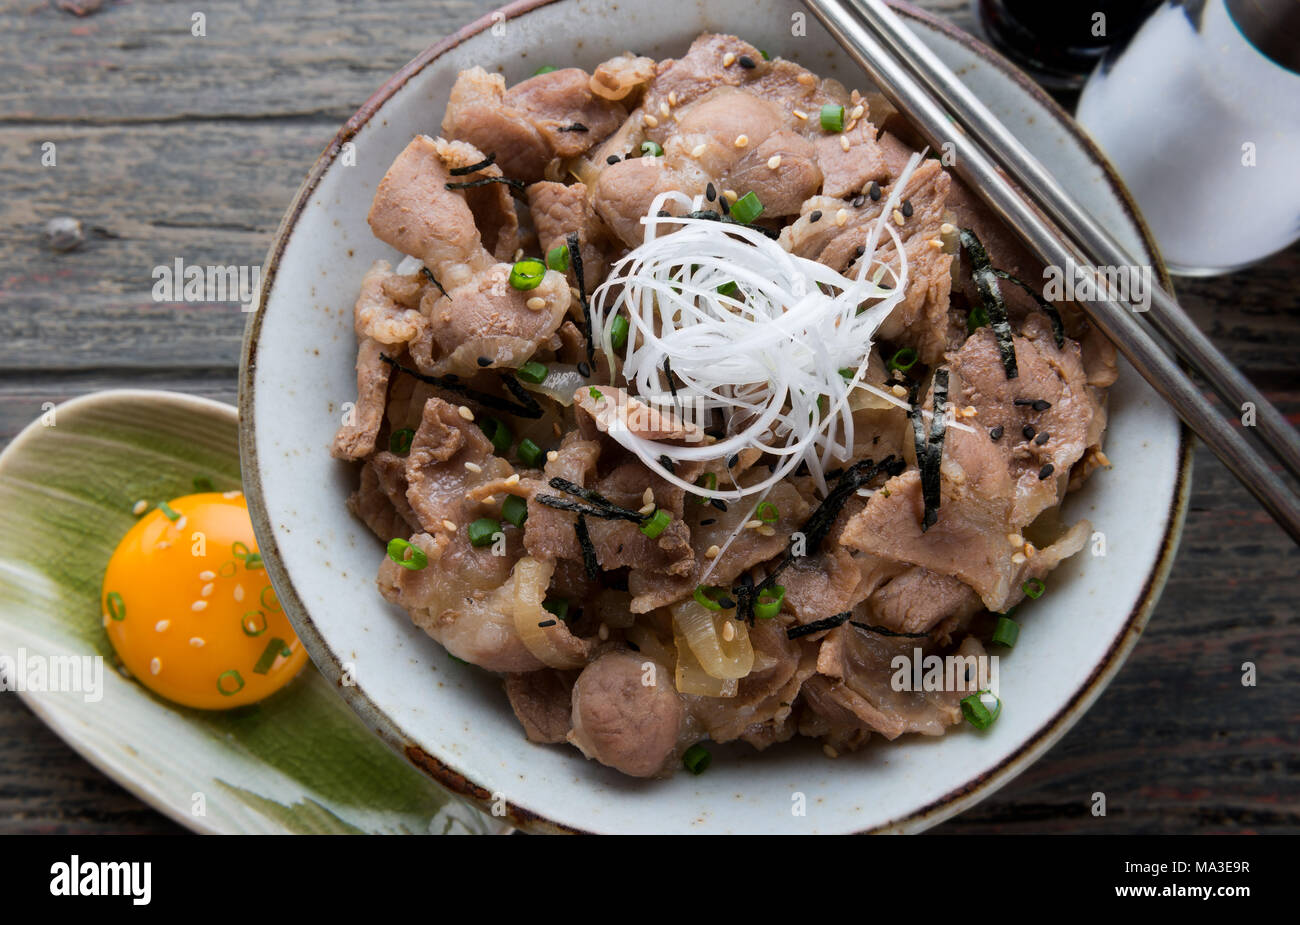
column 542, row 702
column 623, row 722
column 356, row 438
column 533, row 122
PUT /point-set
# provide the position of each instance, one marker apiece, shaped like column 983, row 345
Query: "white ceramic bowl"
column 453, row 721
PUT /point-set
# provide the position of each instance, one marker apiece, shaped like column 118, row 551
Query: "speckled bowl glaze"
column 452, row 720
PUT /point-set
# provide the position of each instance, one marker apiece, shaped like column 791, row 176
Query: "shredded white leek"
column 767, row 355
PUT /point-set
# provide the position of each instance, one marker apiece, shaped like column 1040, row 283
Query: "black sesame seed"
column 710, row 192
column 663, row 213
column 484, row 361
column 547, row 623
column 733, row 460
column 815, row 216
column 874, row 191
column 859, row 250
column 996, row 433
column 583, row 369
column 1029, row 430
column 612, row 159
column 1046, row 471
column 907, row 208
column 706, row 522
column 632, row 645
column 746, row 62
column 668, row 464
column 859, row 201
column 1041, row 405
column 726, row 603
column 1042, row 438
column 719, row 504
column 725, row 205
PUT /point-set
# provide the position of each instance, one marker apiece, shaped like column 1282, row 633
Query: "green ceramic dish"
column 299, row 762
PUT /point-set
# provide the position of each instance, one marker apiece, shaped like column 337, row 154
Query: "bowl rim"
column 956, row 800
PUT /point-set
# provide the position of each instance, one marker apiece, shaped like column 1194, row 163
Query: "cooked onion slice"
column 553, row 645
column 701, row 630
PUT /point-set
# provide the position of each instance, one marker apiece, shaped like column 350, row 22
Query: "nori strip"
column 516, row 185
column 433, row 279
column 1047, row 308
column 453, row 384
column 589, row 561
column 929, row 449
column 986, row 282
column 594, row 497
column 575, row 261
column 829, row 623
column 577, row 507
column 474, row 168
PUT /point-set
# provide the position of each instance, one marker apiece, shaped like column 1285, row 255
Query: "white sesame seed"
column 844, row 142
column 473, row 466
column 536, row 303
column 829, row 752
column 858, row 112
column 853, row 123
column 774, row 161
column 1015, row 539
column 490, row 499
column 180, row 524
column 449, row 525
column 663, row 109
column 698, row 150
column 741, row 141
column 1018, row 558
column 946, row 228
column 206, row 575
column 139, row 507
column 753, row 524
column 155, row 665
column 552, row 456
column 650, row 121
column 513, row 479
column 730, row 194
column 648, row 497
column 899, row 391
column 800, row 114
column 207, row 589
column 559, row 431
column 728, row 631
column 162, row 625
column 969, row 411
column 935, row 243
column 519, row 254
column 646, row 509
column 602, row 632
column 766, row 530
column 1030, row 551
column 1102, row 459
column 898, row 217
column 712, row 552
column 806, row 79
column 197, row 642
column 841, row 216
column 672, row 97
column 199, row 605
column 728, row 59
column 239, row 592
column 465, row 413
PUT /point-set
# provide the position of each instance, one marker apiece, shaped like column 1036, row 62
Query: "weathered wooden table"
column 181, row 146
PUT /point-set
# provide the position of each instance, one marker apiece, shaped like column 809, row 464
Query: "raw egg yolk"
column 189, row 608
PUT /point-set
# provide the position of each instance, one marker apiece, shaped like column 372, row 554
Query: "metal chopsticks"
column 893, row 57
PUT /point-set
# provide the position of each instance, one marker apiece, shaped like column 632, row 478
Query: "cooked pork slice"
column 623, row 77
column 380, row 500
column 492, row 205
column 627, row 714
column 356, row 438
column 531, row 124
column 387, row 309
column 854, row 678
column 438, row 479
column 486, row 318
column 850, row 169
column 559, row 210
column 609, row 410
column 542, row 700
column 624, row 192
column 711, row 62
column 821, row 585
column 909, row 598
column 415, row 212
column 463, row 598
column 762, row 710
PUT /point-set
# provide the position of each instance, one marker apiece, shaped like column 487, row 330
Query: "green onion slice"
column 544, row 69
column 768, row 512
column 515, row 510
column 227, row 569
column 527, row 273
column 903, row 360
column 1034, row 588
column 530, row 454
column 168, row 511
column 398, row 549
column 274, row 649
column 273, row 603
column 239, row 550
column 747, row 208
column 651, row 149
column 557, row 258
column 533, row 372
column 768, row 603
column 697, row 759
column 253, row 623
column 400, row 441
column 1006, row 632
column 977, row 713
column 498, row 432
column 116, row 606
column 729, row 289
column 832, row 118
column 708, row 481
column 618, row 332
column 596, row 394
column 705, row 595
column 657, row 523
column 482, row 531
column 235, row 678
